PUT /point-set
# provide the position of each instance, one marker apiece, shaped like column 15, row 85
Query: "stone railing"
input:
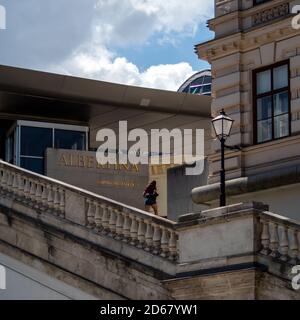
column 197, row 241
column 279, row 237
column 139, row 229
column 32, row 190
column 101, row 215
column 270, row 14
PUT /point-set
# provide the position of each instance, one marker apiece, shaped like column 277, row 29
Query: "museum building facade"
column 255, row 62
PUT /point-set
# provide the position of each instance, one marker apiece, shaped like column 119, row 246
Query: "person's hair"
column 151, row 187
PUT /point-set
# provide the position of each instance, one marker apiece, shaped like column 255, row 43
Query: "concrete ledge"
column 267, row 180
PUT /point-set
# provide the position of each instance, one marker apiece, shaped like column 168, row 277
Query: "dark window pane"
column 195, row 90
column 65, row 139
column 34, row 141
column 260, row 1
column 264, row 108
column 206, row 89
column 207, row 80
column 281, row 124
column 32, row 164
column 280, row 77
column 281, row 103
column 264, row 82
column 11, row 148
column 197, row 81
column 264, row 130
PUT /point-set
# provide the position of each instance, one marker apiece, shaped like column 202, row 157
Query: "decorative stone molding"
column 242, row 42
column 270, row 14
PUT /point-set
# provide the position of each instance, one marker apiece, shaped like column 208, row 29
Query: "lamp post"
column 222, row 125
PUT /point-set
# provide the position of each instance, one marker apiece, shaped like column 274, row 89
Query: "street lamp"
column 222, row 125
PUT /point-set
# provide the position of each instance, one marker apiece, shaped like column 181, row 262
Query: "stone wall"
column 106, row 249
column 179, row 191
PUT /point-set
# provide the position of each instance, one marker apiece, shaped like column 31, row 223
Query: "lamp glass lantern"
column 222, row 125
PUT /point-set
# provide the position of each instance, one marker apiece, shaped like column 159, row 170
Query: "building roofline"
column 96, row 93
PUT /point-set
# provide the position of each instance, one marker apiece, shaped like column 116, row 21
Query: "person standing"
column 150, row 195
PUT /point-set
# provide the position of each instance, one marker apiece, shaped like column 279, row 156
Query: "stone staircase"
column 122, row 249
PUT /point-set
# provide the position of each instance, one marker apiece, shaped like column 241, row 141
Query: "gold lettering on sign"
column 125, row 184
column 81, row 161
column 63, row 161
column 136, row 168
column 90, row 162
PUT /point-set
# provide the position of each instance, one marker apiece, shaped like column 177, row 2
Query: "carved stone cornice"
column 265, row 12
column 244, row 41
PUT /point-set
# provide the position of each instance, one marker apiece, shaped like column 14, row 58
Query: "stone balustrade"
column 144, row 231
column 279, row 238
column 32, row 190
column 270, row 14
column 195, row 241
column 109, row 218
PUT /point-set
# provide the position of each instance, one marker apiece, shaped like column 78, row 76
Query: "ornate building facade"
column 255, row 59
column 59, row 241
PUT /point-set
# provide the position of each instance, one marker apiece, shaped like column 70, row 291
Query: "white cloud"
column 136, row 20
column 125, row 22
column 101, row 64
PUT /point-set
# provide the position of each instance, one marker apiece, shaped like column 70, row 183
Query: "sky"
column 147, row 43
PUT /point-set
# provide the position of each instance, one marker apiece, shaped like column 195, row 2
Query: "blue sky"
column 138, row 42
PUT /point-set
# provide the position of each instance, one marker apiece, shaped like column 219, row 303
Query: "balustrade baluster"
column 56, row 200
column 21, row 187
column 105, row 218
column 15, row 184
column 38, row 194
column 45, row 195
column 274, row 241
column 119, row 225
column 265, row 238
column 126, row 229
column 284, row 244
column 133, row 231
column 156, row 239
column 112, row 221
column 294, row 247
column 149, row 236
column 61, row 202
column 98, row 216
column 32, row 191
column 27, row 189
column 50, row 197
column 173, row 246
column 90, row 214
column 4, row 180
column 141, row 234
column 164, row 243
column 9, row 182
